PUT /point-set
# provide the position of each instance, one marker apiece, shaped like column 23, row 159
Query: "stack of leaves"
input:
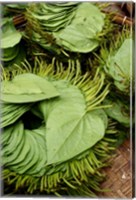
column 13, row 51
column 61, row 122
column 119, row 65
column 65, row 26
column 117, row 62
column 56, row 133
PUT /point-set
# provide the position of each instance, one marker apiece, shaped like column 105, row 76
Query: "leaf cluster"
column 66, row 80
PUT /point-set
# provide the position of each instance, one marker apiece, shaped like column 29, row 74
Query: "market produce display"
column 66, row 78
column 74, row 27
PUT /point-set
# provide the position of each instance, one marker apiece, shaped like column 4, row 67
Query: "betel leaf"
column 118, row 111
column 70, row 130
column 10, row 53
column 26, row 88
column 80, row 34
column 25, row 155
column 123, row 57
column 75, row 29
column 69, row 96
column 13, row 55
column 72, row 40
column 74, row 136
column 20, row 6
column 123, row 61
column 102, row 114
column 12, row 49
column 12, row 112
column 10, row 36
column 53, row 17
column 119, row 66
column 5, row 20
column 20, row 56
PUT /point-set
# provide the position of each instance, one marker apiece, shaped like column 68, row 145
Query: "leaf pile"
column 63, row 116
column 73, row 26
column 12, row 50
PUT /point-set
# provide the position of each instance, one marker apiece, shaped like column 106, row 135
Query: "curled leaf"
column 10, row 36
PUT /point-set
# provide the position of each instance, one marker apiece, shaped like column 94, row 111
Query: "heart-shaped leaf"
column 70, row 130
column 26, row 88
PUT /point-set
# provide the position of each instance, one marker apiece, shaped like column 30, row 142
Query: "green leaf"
column 10, row 53
column 5, row 20
column 24, row 149
column 123, row 62
column 118, row 111
column 73, row 40
column 12, row 112
column 70, row 130
column 52, row 17
column 20, row 6
column 73, row 137
column 20, row 56
column 120, row 66
column 75, row 28
column 26, row 88
column 80, row 34
column 10, row 36
column 124, row 55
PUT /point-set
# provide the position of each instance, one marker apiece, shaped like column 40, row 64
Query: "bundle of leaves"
column 61, row 122
column 117, row 63
column 11, row 45
column 64, row 27
column 56, row 135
